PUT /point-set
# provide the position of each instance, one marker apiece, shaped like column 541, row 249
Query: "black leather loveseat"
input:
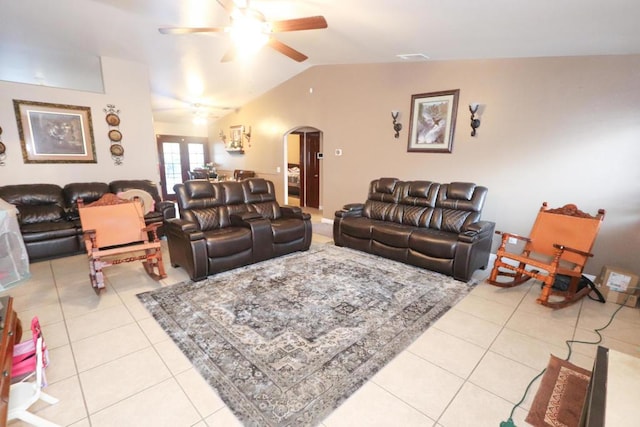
column 423, row 223
column 48, row 216
column 229, row 224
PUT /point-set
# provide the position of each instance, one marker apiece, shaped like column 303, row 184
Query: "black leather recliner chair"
column 231, row 224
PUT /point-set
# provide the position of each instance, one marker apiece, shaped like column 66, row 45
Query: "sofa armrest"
column 289, row 211
column 243, row 219
column 178, row 225
column 473, row 249
column 187, row 248
column 261, row 233
column 166, row 208
column 351, row 209
column 476, row 230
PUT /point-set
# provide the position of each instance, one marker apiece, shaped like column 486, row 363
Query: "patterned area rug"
column 285, row 341
column 561, row 395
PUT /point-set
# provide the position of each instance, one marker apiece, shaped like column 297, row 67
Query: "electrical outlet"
column 278, row 169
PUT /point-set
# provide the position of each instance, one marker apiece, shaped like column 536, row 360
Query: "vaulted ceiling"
column 186, row 69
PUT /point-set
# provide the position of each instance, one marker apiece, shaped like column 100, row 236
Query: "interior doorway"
column 303, row 151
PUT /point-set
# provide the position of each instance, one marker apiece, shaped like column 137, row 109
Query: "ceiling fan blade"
column 287, row 50
column 227, row 5
column 230, row 55
column 309, row 23
column 189, row 30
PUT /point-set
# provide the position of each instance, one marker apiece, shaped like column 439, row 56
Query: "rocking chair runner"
column 115, row 233
column 560, row 243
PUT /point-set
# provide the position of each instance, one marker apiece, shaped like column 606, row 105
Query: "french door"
column 178, row 155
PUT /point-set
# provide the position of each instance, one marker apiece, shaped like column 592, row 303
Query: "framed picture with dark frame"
column 433, row 121
column 235, row 140
column 55, row 133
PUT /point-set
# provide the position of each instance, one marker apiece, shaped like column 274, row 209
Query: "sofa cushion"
column 228, row 241
column 434, row 243
column 206, row 218
column 421, row 193
column 287, row 230
column 260, row 194
column 392, row 234
column 33, row 214
column 385, row 190
column 258, row 190
column 452, row 220
column 40, row 231
column 461, row 195
column 89, row 192
column 35, row 202
column 382, row 211
column 357, row 227
column 416, row 216
column 32, row 194
column 122, row 185
column 233, row 193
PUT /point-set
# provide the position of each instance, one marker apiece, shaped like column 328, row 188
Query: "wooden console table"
column 11, row 333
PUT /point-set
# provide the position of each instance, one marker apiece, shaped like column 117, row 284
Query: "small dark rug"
column 285, row 341
column 561, row 395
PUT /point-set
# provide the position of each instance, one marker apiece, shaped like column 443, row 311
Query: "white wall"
column 181, row 129
column 127, row 87
column 561, row 130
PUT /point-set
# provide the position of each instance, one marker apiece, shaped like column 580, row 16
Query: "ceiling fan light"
column 248, row 34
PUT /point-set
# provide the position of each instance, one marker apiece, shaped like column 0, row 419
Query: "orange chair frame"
column 114, row 230
column 560, row 242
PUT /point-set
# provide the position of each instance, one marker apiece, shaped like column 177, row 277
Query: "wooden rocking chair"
column 560, row 243
column 114, row 233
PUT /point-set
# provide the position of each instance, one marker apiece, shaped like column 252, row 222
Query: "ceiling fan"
column 250, row 30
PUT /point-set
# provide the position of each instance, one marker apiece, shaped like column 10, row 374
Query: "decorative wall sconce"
column 475, row 120
column 223, row 136
column 397, row 126
column 247, row 134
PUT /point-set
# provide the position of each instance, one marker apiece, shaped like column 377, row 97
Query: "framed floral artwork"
column 433, row 121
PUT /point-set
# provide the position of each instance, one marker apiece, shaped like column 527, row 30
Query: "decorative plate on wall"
column 113, row 119
column 116, row 150
column 115, row 135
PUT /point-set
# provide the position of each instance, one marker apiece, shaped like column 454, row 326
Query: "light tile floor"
column 112, row 365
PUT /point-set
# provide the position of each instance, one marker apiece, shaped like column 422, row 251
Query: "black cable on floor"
column 509, row 422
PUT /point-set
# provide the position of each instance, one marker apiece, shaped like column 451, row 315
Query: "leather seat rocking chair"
column 560, row 243
column 115, row 233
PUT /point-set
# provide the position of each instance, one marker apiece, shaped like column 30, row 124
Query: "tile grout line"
column 466, row 380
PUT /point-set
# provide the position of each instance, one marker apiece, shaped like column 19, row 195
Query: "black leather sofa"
column 423, row 223
column 48, row 214
column 230, row 224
